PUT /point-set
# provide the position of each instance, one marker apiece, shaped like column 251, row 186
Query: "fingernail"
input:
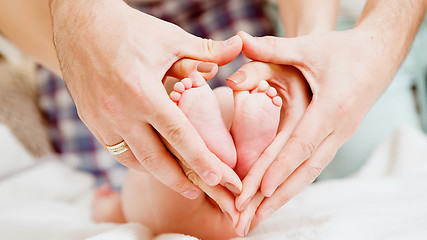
column 237, row 77
column 247, row 228
column 270, row 192
column 266, row 214
column 240, row 233
column 205, row 67
column 211, row 178
column 229, row 217
column 245, row 205
column 235, row 190
column 231, row 41
column 191, row 194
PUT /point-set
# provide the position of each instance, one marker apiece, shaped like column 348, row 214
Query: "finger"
column 219, row 194
column 127, row 158
column 286, row 51
column 249, row 75
column 182, row 69
column 303, row 176
column 312, row 129
column 252, row 181
column 247, row 217
column 228, row 180
column 219, row 52
column 295, row 105
column 223, row 197
column 174, row 126
column 152, row 155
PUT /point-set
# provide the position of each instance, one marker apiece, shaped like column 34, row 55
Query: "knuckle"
column 197, row 160
column 252, row 181
column 313, row 172
column 192, row 176
column 178, row 185
column 87, row 115
column 328, row 158
column 268, row 155
column 175, row 133
column 148, row 159
column 285, row 170
column 251, row 175
column 306, row 148
column 282, row 165
column 283, row 198
column 208, row 46
column 109, row 105
column 270, row 41
column 82, row 115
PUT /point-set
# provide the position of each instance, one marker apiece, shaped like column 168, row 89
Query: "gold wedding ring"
column 118, row 148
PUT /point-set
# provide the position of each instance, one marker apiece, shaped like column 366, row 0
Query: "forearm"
column 391, row 26
column 28, row 25
column 302, row 17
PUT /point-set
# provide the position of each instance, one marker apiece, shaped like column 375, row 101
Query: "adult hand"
column 346, row 71
column 114, row 59
column 222, row 196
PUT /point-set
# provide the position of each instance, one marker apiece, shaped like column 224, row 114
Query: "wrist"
column 304, row 17
column 81, row 17
column 308, row 30
column 78, row 8
column 378, row 56
column 81, row 24
column 391, row 26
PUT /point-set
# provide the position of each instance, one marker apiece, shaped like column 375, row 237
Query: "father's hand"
column 347, row 71
column 114, row 59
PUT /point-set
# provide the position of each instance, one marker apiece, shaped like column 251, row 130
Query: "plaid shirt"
column 219, row 20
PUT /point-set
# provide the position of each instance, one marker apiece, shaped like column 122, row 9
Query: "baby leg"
column 107, row 205
column 149, row 202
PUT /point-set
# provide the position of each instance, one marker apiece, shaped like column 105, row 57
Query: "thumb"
column 219, row 52
column 183, row 67
column 278, row 50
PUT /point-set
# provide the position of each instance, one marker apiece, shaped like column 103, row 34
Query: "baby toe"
column 263, row 86
column 187, row 83
column 277, row 101
column 179, row 87
column 272, row 92
column 175, row 96
column 197, row 79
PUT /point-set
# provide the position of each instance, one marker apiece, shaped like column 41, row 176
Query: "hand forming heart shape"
column 254, row 127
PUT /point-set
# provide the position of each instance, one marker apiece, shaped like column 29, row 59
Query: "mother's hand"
column 344, row 82
column 114, row 59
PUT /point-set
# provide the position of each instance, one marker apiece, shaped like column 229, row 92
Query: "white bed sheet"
column 387, row 199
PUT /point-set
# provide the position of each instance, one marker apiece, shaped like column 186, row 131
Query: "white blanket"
column 387, row 199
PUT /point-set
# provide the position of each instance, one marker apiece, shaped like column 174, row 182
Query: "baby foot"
column 198, row 102
column 256, row 118
column 106, row 205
